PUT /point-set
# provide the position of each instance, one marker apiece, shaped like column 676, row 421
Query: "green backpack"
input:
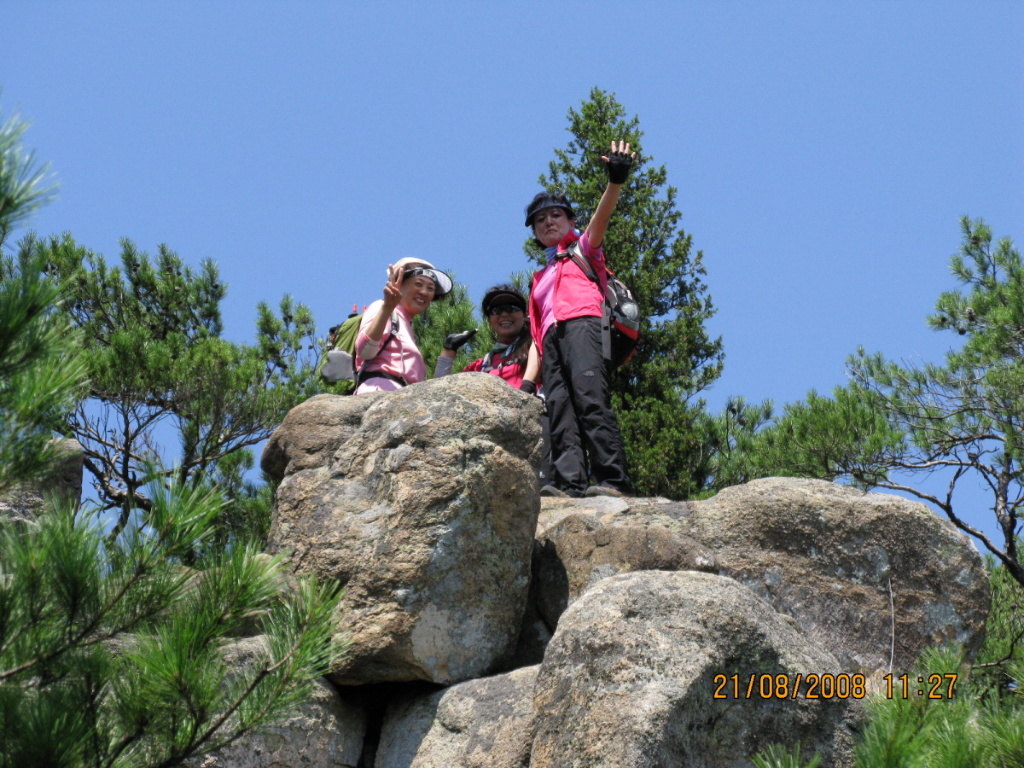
column 339, row 363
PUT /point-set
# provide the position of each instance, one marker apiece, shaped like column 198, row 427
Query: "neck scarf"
column 497, row 351
column 553, row 250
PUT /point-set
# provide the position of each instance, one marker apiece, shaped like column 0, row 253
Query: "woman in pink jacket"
column 386, row 351
column 566, row 307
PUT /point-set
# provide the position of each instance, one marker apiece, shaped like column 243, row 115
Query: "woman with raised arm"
column 566, row 309
column 386, row 353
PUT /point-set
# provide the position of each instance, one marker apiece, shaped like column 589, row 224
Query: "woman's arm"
column 392, row 296
column 532, row 372
column 617, row 163
column 368, row 341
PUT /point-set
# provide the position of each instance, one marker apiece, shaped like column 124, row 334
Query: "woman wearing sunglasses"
column 512, row 357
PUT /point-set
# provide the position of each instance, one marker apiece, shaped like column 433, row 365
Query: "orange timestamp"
column 934, row 686
column 782, row 686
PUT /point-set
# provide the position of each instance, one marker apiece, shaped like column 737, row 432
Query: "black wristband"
column 528, row 386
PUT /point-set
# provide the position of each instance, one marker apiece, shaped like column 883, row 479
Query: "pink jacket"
column 574, row 294
column 513, row 374
column 400, row 356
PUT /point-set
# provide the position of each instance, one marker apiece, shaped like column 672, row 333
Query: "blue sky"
column 823, row 151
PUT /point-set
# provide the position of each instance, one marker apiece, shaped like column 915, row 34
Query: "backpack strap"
column 584, row 264
column 581, row 261
column 364, row 375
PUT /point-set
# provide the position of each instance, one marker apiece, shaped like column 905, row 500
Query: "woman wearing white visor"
column 386, row 351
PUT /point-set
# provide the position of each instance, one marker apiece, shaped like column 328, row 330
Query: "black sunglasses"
column 503, row 309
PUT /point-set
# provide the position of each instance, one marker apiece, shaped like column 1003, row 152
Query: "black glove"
column 529, row 387
column 618, row 166
column 455, row 340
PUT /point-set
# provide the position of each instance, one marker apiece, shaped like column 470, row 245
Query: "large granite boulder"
column 423, row 503
column 485, row 723
column 876, row 577
column 629, row 679
column 580, row 550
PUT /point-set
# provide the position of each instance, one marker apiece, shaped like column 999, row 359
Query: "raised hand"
column 618, row 162
column 392, row 288
column 455, row 340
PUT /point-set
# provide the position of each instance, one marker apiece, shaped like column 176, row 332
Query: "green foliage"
column 247, row 511
column 777, row 756
column 656, row 394
column 734, row 451
column 41, row 370
column 110, row 651
column 820, row 437
column 981, row 726
column 25, row 184
column 151, row 329
column 999, row 665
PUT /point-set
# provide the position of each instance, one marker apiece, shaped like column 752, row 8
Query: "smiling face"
column 551, row 225
column 417, row 293
column 506, row 323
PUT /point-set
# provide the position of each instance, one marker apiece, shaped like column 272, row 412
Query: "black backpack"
column 620, row 321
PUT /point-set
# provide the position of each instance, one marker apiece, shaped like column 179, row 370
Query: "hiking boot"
column 550, row 490
column 604, row 490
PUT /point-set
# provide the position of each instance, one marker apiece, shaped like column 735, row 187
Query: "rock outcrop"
column 62, row 485
column 579, row 551
column 629, row 678
column 423, row 503
column 486, row 723
column 876, row 578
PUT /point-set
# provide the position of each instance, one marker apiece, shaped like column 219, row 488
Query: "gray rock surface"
column 425, row 508
column 484, row 723
column 579, row 551
column 628, row 679
column 876, row 577
column 63, row 485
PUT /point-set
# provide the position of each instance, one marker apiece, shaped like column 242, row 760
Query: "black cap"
column 502, row 294
column 545, row 200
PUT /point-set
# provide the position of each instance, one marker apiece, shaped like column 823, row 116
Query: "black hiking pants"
column 583, row 428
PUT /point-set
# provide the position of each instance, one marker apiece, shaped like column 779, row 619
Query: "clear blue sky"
column 823, row 151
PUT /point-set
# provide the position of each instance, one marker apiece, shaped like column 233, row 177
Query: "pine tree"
column 894, row 422
column 656, row 395
column 110, row 649
column 151, row 329
column 41, row 374
column 25, row 184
